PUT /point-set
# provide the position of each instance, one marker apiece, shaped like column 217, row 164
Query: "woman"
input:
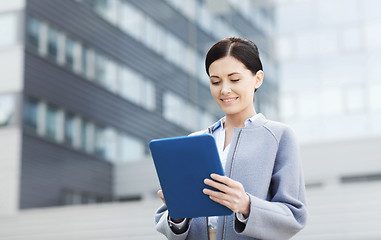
column 263, row 186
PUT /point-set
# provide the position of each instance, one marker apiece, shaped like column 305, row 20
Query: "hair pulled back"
column 240, row 48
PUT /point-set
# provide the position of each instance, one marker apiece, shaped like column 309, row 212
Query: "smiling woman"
column 264, row 185
column 232, row 86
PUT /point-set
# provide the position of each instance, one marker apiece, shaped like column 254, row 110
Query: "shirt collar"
column 222, row 120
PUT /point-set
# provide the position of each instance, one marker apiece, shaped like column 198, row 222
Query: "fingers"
column 217, row 185
column 231, row 193
column 161, row 195
column 223, row 179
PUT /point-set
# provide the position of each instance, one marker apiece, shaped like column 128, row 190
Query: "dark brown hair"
column 240, row 48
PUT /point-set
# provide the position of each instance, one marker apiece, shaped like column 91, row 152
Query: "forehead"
column 226, row 65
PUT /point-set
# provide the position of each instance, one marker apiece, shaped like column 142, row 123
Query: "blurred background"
column 86, row 84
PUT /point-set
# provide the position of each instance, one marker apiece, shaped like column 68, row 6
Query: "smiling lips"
column 229, row 100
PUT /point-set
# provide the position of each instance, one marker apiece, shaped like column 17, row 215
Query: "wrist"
column 246, row 207
column 176, row 220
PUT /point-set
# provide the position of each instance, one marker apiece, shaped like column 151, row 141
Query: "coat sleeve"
column 162, row 226
column 285, row 214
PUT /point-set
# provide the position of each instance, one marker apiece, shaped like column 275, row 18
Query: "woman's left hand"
column 232, row 195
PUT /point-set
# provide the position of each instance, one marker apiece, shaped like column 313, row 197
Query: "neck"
column 238, row 120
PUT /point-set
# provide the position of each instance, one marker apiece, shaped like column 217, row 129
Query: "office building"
column 86, row 84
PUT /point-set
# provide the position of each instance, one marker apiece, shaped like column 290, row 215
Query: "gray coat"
column 264, row 157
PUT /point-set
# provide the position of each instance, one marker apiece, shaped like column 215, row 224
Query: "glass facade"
column 69, row 129
column 92, row 64
column 52, row 45
column 126, row 75
column 31, row 113
column 78, row 133
column 328, row 72
column 51, row 122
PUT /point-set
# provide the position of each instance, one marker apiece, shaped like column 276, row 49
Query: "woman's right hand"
column 161, row 195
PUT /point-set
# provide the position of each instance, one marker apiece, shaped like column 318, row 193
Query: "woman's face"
column 232, row 86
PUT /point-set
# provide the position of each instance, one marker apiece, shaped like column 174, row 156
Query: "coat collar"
column 257, row 120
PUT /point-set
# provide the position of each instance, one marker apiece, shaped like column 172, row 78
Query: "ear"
column 258, row 78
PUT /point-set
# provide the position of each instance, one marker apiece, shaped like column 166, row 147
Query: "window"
column 375, row 97
column 31, row 113
column 287, row 106
column 131, row 149
column 53, row 43
column 70, row 53
column 105, row 72
column 99, row 144
column 309, row 104
column 332, row 100
column 132, row 20
column 110, row 75
column 100, row 68
column 203, row 77
column 7, row 106
column 69, row 129
column 173, row 49
column 189, row 118
column 33, row 33
column 110, row 137
column 179, row 111
column 205, row 119
column 172, row 105
column 84, row 135
column 153, row 35
column 107, row 9
column 149, row 96
column 205, row 18
column 355, row 99
column 88, row 57
column 51, row 122
column 131, row 85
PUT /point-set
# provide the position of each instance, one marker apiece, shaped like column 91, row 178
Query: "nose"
column 225, row 89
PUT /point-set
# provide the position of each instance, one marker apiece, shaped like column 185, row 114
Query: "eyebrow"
column 230, row 74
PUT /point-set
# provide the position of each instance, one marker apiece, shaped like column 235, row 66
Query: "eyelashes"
column 233, row 80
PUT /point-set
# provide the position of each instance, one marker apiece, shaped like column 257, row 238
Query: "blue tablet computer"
column 182, row 164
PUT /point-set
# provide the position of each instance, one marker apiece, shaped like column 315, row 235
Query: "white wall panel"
column 10, row 149
column 13, row 68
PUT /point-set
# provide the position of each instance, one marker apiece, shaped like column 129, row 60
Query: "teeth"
column 228, row 100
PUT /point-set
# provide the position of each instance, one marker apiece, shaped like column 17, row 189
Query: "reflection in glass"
column 131, row 149
column 99, row 144
column 84, row 133
column 110, row 137
column 69, row 129
column 30, row 113
column 69, row 55
column 51, row 121
column 33, row 33
column 53, row 43
column 100, row 69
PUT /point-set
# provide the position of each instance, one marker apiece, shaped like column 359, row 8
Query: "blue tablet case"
column 182, row 164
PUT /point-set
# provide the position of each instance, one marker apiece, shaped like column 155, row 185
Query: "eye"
column 234, row 80
column 215, row 83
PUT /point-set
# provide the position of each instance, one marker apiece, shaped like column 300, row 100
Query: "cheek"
column 214, row 91
column 248, row 93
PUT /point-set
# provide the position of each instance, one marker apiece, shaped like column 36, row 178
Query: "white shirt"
column 219, row 136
